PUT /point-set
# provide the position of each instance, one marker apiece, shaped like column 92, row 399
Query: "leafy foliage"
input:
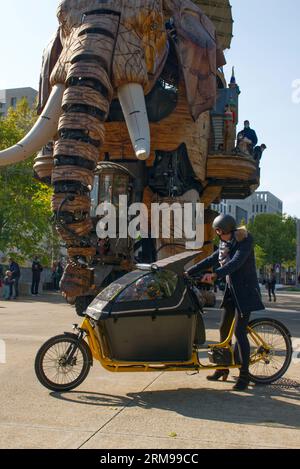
column 275, row 238
column 260, row 256
column 25, row 213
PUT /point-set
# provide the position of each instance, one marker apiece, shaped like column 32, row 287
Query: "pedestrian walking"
column 271, row 285
column 16, row 274
column 37, row 269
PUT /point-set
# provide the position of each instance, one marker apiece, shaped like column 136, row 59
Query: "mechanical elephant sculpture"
column 154, row 60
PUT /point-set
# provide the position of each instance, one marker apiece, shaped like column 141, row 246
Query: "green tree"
column 276, row 236
column 25, row 212
column 260, row 257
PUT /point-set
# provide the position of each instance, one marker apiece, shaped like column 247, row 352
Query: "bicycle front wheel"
column 271, row 350
column 63, row 363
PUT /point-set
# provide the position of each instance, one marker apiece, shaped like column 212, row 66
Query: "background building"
column 246, row 210
column 9, row 98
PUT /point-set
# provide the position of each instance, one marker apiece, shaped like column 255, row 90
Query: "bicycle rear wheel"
column 271, row 350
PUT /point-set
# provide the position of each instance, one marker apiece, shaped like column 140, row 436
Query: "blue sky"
column 266, row 54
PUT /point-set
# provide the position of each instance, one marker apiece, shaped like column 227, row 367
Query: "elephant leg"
column 81, row 133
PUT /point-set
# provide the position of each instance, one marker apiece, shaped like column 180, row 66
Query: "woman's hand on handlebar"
column 209, row 278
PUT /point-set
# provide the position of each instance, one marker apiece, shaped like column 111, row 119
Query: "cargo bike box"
column 149, row 315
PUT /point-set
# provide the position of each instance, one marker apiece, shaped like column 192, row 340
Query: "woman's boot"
column 218, row 374
column 242, row 382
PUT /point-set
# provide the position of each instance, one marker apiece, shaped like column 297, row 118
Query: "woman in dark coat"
column 236, row 262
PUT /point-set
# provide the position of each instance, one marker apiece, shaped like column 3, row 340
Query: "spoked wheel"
column 271, row 350
column 63, row 363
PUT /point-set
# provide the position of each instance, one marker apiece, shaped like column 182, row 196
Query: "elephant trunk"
column 81, row 132
column 43, row 131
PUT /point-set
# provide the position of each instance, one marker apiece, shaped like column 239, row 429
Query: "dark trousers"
column 14, row 286
column 35, row 284
column 56, row 281
column 242, row 348
column 271, row 290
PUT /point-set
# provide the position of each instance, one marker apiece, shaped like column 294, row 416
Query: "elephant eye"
column 154, row 27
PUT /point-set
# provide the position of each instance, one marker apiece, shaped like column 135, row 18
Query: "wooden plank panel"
column 166, row 135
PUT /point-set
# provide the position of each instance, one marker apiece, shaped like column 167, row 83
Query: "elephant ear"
column 50, row 57
column 198, row 53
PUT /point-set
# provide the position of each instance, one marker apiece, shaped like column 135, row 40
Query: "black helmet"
column 226, row 223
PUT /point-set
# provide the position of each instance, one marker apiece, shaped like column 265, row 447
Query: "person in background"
column 7, row 285
column 57, row 275
column 247, row 139
column 16, row 274
column 271, row 284
column 53, row 269
column 1, row 275
column 37, row 269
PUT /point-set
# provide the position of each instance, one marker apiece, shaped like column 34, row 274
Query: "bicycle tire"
column 69, row 339
column 285, row 334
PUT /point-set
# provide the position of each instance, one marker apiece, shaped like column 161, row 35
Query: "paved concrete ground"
column 151, row 410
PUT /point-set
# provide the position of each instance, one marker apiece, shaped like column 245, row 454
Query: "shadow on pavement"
column 260, row 405
column 55, row 298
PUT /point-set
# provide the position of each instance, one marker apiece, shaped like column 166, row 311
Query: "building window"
column 229, row 208
column 13, row 102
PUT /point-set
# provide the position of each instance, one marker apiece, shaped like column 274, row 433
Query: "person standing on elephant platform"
column 247, row 139
column 37, row 269
column 228, row 129
column 235, row 261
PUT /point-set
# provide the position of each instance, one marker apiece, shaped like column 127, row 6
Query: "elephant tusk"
column 42, row 132
column 132, row 100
